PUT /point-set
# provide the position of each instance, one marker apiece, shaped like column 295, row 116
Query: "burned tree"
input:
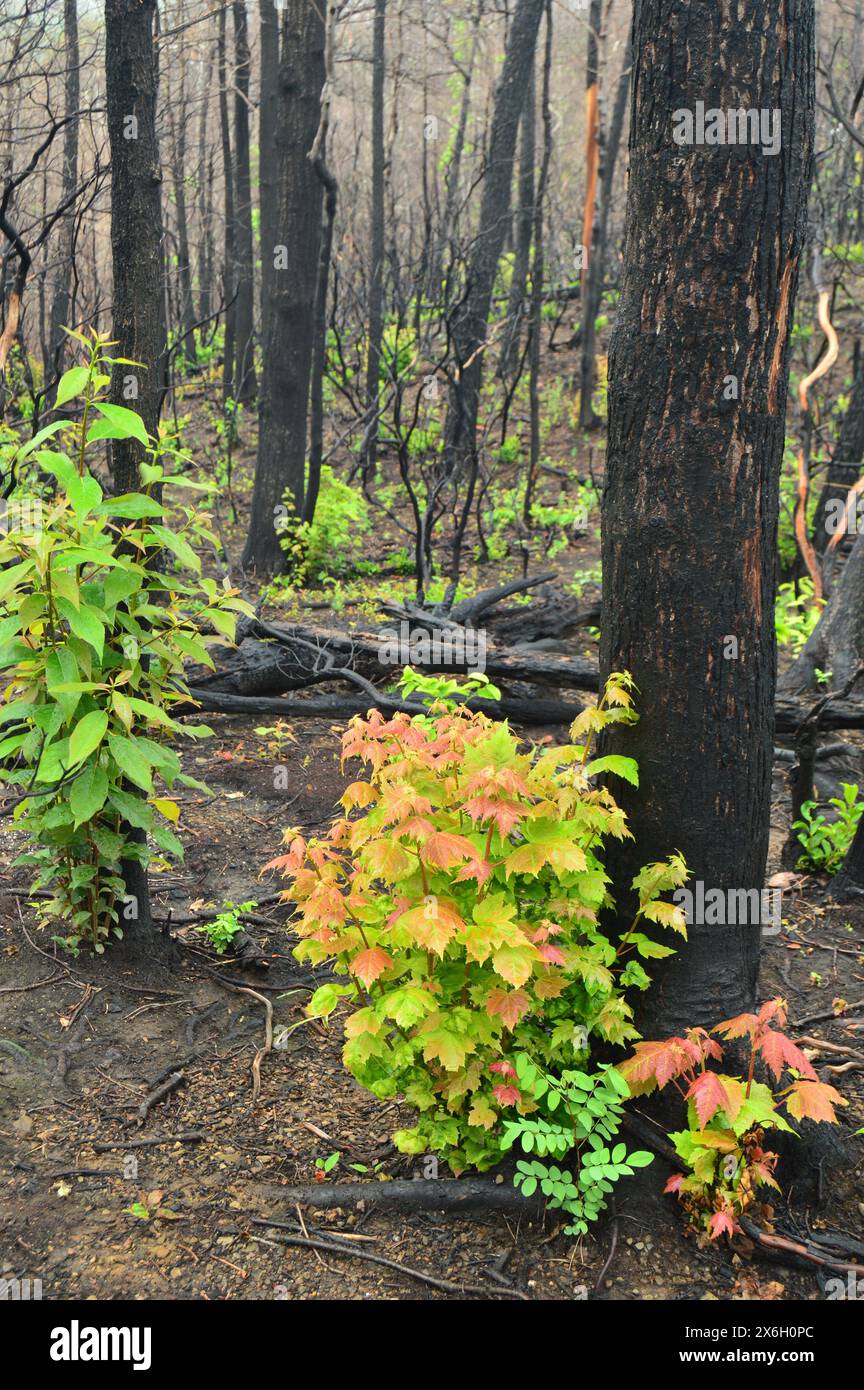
column 62, row 303
column 136, row 223
column 293, row 279
column 698, row 381
column 470, row 319
column 139, row 326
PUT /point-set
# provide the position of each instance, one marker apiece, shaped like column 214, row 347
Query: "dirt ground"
column 81, row 1045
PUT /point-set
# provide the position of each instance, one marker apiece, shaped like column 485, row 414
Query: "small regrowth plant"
column 459, row 899
column 223, row 929
column 826, row 843
column 727, row 1116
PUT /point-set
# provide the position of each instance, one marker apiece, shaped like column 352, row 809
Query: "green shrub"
column 461, row 906
column 826, row 843
column 331, row 545
column 93, row 637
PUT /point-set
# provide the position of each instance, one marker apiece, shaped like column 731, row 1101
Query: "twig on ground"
column 445, row 1285
column 160, row 1092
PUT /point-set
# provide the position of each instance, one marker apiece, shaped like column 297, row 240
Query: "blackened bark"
column 205, row 207
column 590, row 285
column 138, row 306
column 62, row 307
column 288, row 349
column 319, row 330
column 229, row 226
column 714, row 236
column 269, row 47
column 184, row 263
column 595, row 276
column 470, row 321
column 376, row 252
column 136, row 223
column 244, row 256
column 516, row 304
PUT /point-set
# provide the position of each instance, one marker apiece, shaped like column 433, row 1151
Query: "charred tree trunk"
column 62, row 307
column 471, row 318
column 139, row 326
column 136, row 224
column 590, row 287
column 269, row 47
column 516, row 305
column 229, row 288
column 205, row 206
column 319, row 332
column 288, row 350
column 698, row 382
column 184, row 262
column 376, row 261
column 244, row 261
column 595, row 270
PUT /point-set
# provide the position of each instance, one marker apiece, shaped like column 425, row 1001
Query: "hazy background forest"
column 344, row 338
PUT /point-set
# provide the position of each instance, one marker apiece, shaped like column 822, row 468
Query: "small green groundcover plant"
column 101, row 602
column 825, row 843
column 727, row 1116
column 332, row 544
column 459, row 899
column 226, row 925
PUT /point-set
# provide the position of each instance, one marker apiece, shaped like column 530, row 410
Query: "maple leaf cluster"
column 458, row 897
column 728, row 1115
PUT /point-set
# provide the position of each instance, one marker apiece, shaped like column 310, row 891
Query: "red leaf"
column 723, row 1222
column 368, row 965
column 503, row 1068
column 552, row 955
column 506, row 1095
column 780, row 1051
column 674, row 1183
column 708, row 1095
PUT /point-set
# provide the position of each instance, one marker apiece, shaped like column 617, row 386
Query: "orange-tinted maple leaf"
column 433, row 924
column 503, row 1068
column 552, row 955
column 443, row 850
column 549, row 986
column 480, row 869
column 509, row 1005
column 814, row 1100
column 655, row 1063
column 368, row 965
column 738, row 1027
column 673, row 1184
